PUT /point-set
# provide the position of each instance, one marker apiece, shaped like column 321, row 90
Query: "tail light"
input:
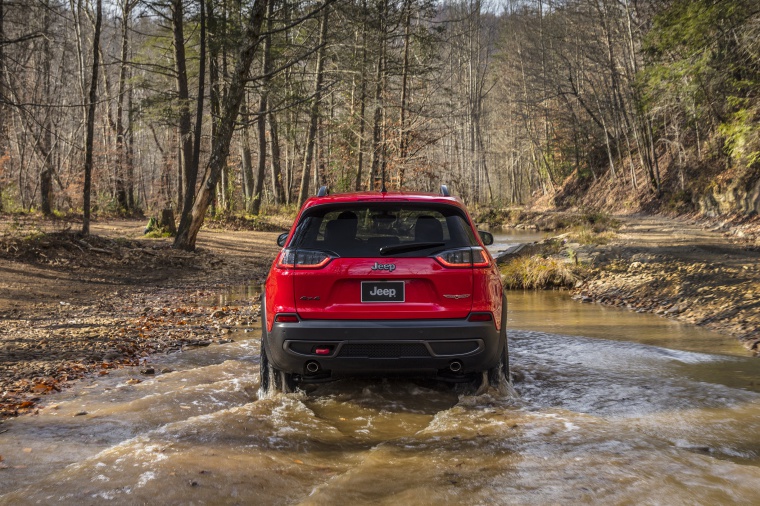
column 467, row 257
column 303, row 259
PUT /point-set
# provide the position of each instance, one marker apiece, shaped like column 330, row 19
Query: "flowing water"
column 612, row 407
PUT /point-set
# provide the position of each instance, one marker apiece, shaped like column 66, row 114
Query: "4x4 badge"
column 384, row 267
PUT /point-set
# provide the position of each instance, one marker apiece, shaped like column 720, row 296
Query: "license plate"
column 382, row 291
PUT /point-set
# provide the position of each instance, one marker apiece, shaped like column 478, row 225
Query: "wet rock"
column 517, row 376
column 675, row 309
column 148, row 371
column 198, row 343
column 111, row 354
column 166, row 370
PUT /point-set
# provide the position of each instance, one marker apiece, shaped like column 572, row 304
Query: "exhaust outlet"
column 312, row 366
column 455, row 366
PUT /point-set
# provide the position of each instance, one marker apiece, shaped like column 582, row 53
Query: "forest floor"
column 72, row 306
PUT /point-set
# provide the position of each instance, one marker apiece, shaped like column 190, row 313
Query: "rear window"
column 371, row 230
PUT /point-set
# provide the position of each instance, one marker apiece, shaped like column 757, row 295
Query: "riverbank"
column 702, row 272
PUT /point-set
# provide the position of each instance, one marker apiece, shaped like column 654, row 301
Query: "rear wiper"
column 406, row 248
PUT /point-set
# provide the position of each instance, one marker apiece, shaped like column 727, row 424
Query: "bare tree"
column 226, row 124
column 261, row 119
column 314, row 111
column 93, row 97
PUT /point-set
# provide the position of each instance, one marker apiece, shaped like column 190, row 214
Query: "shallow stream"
column 614, row 407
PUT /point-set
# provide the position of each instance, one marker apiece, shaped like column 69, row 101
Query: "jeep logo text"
column 384, row 267
column 388, row 292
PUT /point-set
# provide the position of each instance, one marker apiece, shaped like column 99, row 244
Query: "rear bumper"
column 377, row 347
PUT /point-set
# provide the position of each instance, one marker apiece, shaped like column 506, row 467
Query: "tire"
column 501, row 372
column 272, row 380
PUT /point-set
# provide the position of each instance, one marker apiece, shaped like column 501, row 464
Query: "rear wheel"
column 501, row 372
column 272, row 379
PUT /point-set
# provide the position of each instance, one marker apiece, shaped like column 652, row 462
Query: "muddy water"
column 613, row 408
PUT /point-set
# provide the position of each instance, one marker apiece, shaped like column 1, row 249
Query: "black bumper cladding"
column 378, row 347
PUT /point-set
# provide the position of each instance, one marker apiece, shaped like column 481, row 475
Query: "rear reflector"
column 286, row 318
column 480, row 317
column 322, row 351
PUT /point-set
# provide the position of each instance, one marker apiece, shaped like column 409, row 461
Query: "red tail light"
column 480, row 317
column 467, row 257
column 286, row 318
column 302, row 259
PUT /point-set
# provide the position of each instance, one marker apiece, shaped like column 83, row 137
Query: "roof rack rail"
column 323, row 191
column 444, row 190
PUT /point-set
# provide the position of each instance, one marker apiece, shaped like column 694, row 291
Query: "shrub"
column 538, row 273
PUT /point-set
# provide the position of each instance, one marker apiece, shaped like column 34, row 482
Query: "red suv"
column 383, row 284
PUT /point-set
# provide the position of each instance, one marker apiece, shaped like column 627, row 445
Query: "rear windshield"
column 371, row 230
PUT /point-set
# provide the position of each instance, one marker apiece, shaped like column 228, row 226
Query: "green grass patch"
column 158, row 233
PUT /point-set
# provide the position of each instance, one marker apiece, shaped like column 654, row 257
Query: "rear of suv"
column 383, row 284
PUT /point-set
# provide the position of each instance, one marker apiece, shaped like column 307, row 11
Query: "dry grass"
column 584, row 234
column 538, row 273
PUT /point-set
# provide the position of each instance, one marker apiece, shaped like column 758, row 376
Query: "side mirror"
column 486, row 237
column 281, row 239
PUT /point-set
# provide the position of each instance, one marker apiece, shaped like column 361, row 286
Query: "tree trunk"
column 377, row 120
column 314, row 113
column 261, row 120
column 88, row 148
column 404, row 80
column 279, row 192
column 2, row 92
column 362, row 104
column 45, row 142
column 248, row 186
column 226, row 126
column 121, row 180
column 191, row 167
column 186, row 184
column 130, row 155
